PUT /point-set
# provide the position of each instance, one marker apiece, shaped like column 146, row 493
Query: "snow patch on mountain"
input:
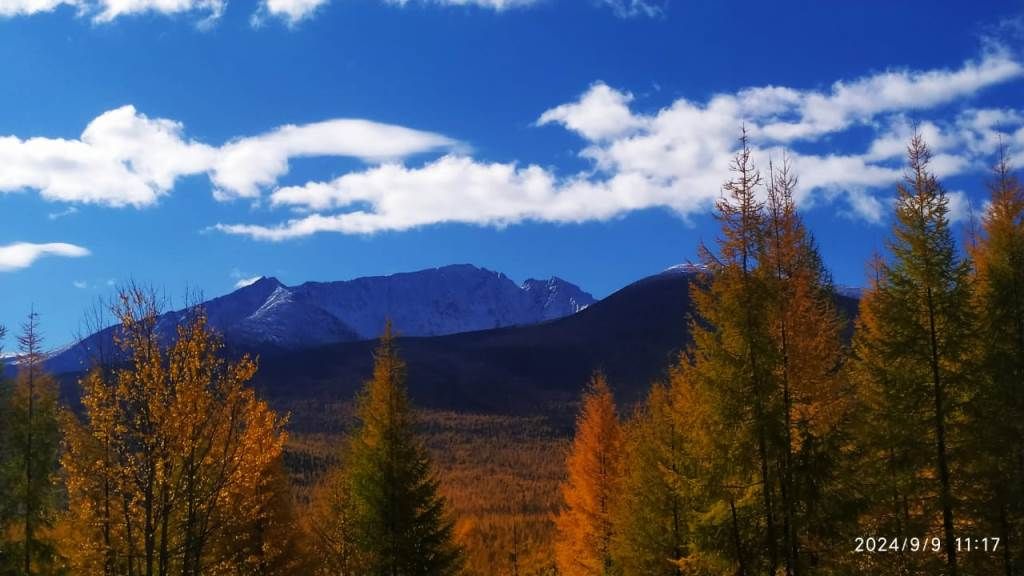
column 686, row 268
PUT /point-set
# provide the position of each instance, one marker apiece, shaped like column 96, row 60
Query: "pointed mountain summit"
column 556, row 297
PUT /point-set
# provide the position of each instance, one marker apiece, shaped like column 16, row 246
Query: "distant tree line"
column 777, row 446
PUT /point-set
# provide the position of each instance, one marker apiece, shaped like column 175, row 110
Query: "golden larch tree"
column 916, row 363
column 172, row 468
column 998, row 411
column 585, row 526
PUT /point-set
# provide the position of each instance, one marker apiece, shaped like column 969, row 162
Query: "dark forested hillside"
column 632, row 335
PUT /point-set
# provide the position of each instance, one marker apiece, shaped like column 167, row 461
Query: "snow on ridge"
column 686, row 268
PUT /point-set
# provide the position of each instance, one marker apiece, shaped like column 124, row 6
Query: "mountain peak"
column 557, row 297
column 261, row 283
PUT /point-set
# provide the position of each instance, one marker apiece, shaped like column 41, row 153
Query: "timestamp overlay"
column 933, row 544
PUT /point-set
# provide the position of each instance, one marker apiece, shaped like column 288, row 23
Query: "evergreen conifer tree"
column 388, row 516
column 31, row 459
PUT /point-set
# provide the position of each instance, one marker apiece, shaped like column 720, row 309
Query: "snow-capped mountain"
column 433, row 302
column 457, row 298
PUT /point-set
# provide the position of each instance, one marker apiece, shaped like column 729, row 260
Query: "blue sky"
column 197, row 143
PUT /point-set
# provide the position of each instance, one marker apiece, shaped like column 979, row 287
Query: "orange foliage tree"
column 583, row 543
column 176, row 464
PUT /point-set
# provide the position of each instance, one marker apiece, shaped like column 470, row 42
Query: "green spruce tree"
column 31, row 460
column 393, row 521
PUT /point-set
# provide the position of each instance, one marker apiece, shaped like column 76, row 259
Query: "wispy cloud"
column 62, row 213
column 636, row 8
column 109, row 10
column 23, row 254
column 293, row 12
column 242, row 167
column 674, row 158
column 104, row 11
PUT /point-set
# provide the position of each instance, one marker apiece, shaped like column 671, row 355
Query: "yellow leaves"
column 176, row 458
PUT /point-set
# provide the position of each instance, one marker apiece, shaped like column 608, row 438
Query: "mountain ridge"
column 268, row 314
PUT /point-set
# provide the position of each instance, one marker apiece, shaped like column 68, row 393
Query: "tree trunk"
column 28, row 464
column 1004, row 529
column 945, row 495
column 737, row 540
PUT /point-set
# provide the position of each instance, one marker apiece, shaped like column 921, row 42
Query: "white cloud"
column 10, row 8
column 243, row 166
column 818, row 113
column 124, row 158
column 243, row 282
column 23, row 254
column 834, row 173
column 675, row 157
column 496, row 5
column 459, row 189
column 80, row 284
column 294, row 11
column 959, row 206
column 1016, row 147
column 600, row 114
column 785, row 114
column 109, row 10
column 864, row 205
column 291, row 11
column 103, row 11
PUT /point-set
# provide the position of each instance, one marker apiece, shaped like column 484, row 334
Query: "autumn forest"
column 787, row 437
